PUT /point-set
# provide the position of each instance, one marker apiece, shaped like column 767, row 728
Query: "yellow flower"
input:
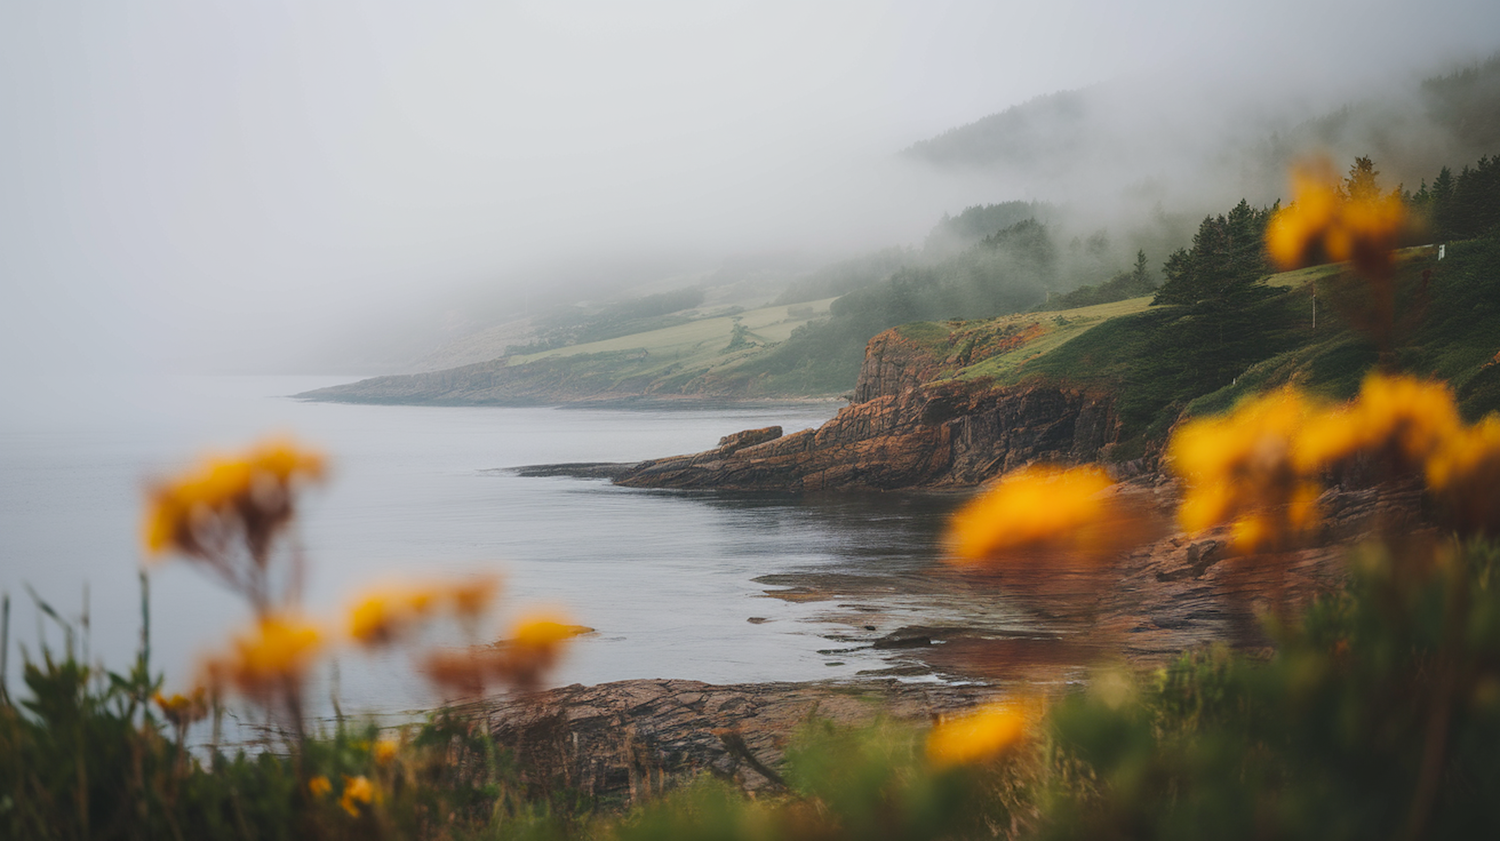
column 277, row 652
column 357, row 791
column 978, row 736
column 385, row 614
column 472, row 597
column 250, row 496
column 1362, row 227
column 542, row 631
column 1242, row 469
column 182, row 710
column 381, row 616
column 534, row 645
column 1464, row 473
column 319, row 786
column 385, row 751
column 1038, row 507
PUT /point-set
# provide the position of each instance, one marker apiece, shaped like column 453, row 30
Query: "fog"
column 239, row 186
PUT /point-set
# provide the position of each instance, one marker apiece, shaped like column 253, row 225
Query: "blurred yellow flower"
column 382, row 615
column 249, row 496
column 463, row 672
column 1361, row 227
column 1242, row 469
column 1041, row 506
column 182, row 710
column 1464, row 473
column 1403, row 419
column 979, row 736
column 472, row 597
column 276, row 653
column 384, row 751
column 534, row 644
column 357, row 791
column 532, row 647
column 379, row 617
column 319, row 786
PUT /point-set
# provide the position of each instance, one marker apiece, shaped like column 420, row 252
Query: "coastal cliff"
column 904, row 432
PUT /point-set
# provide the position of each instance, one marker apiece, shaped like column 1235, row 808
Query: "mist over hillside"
column 1197, row 143
column 1113, row 170
column 340, row 186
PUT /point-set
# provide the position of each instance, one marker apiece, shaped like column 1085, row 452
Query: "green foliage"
column 1378, row 716
column 1455, row 339
column 83, row 757
column 975, row 223
column 1159, row 361
column 1132, row 284
column 845, row 783
column 1227, row 254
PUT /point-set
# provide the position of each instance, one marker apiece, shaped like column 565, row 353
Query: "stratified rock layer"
column 932, row 436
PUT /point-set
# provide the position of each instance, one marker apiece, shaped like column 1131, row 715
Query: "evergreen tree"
column 1227, row 254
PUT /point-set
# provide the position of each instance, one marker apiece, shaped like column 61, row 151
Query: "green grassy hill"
column 1165, row 361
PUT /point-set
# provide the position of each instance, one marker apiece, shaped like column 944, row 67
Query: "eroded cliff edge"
column 904, row 431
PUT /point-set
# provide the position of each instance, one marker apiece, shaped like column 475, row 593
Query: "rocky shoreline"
column 629, row 739
column 626, row 740
column 1037, row 626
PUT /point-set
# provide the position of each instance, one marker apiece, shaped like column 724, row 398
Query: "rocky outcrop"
column 935, row 436
column 628, row 739
column 893, row 364
column 902, row 431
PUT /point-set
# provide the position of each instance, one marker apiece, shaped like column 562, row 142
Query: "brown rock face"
column 749, row 438
column 901, row 434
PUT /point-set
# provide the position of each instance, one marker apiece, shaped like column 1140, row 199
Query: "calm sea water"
column 666, row 579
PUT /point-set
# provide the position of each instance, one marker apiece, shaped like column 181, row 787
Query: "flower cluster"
column 226, row 513
column 1042, row 510
column 207, row 510
column 532, row 647
column 276, row 653
column 388, row 614
column 1260, row 468
column 1322, row 221
column 1242, row 469
column 981, row 735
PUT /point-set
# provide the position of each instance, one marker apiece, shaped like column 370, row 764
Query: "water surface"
column 675, row 584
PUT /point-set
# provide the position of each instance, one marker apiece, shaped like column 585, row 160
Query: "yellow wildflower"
column 463, row 672
column 534, row 645
column 471, row 597
column 198, row 512
column 384, row 751
column 278, row 651
column 382, row 615
column 1242, row 469
column 1038, row 507
column 379, row 617
column 357, row 791
column 978, row 736
column 1464, row 473
column 182, row 710
column 319, row 786
column 1402, row 418
column 1321, row 222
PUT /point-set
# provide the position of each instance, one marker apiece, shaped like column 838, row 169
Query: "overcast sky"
column 181, row 182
